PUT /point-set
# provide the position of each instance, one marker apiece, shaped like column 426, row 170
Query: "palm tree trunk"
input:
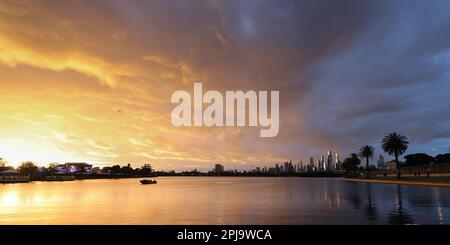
column 367, row 167
column 397, row 164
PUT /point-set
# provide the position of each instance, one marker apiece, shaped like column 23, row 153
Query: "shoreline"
column 142, row 177
column 400, row 182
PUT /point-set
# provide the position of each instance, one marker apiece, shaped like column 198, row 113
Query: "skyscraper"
column 322, row 163
column 219, row 169
column 380, row 162
column 330, row 161
column 338, row 163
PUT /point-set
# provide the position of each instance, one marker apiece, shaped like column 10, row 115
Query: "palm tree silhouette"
column 366, row 152
column 395, row 144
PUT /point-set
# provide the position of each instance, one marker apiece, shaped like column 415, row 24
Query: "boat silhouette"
column 147, row 181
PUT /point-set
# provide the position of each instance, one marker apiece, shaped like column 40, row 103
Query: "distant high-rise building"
column 219, row 169
column 330, row 161
column 338, row 163
column 288, row 167
column 301, row 167
column 381, row 163
column 322, row 163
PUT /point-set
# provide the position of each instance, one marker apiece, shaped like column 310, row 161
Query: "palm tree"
column 395, row 144
column 366, row 152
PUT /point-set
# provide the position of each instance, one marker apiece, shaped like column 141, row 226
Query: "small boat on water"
column 147, row 182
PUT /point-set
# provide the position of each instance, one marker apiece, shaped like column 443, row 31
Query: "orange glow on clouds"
column 83, row 87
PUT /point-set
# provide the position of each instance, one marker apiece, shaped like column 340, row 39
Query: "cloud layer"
column 92, row 80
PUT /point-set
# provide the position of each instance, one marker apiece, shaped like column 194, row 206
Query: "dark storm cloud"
column 394, row 76
column 349, row 71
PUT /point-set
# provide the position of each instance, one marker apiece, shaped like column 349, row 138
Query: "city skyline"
column 323, row 164
column 92, row 81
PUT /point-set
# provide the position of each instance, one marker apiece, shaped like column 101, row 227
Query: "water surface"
column 222, row 200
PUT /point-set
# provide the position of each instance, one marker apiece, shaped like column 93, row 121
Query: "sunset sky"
column 92, row 80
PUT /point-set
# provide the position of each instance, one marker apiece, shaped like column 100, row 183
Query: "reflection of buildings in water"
column 355, row 200
column 326, row 193
column 331, row 195
column 289, row 191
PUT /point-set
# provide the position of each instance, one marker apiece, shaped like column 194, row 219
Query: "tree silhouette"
column 395, row 144
column 350, row 164
column 2, row 164
column 418, row 159
column 146, row 170
column 443, row 158
column 366, row 152
column 28, row 168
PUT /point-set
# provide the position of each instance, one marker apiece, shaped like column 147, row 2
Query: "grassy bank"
column 417, row 181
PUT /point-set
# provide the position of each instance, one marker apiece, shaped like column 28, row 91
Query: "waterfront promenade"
column 421, row 181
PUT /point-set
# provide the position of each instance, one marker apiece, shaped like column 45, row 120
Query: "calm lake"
column 222, row 200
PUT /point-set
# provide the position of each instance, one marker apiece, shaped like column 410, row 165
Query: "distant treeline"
column 420, row 159
column 116, row 171
column 127, row 171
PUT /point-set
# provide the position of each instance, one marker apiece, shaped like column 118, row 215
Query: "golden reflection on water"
column 215, row 200
column 9, row 199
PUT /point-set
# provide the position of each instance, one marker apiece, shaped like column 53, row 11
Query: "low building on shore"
column 13, row 176
column 74, row 167
column 391, row 166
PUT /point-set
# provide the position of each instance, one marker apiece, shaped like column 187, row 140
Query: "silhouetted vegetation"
column 3, row 166
column 118, row 171
column 366, row 152
column 28, row 168
column 418, row 159
column 350, row 165
column 442, row 158
column 395, row 144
